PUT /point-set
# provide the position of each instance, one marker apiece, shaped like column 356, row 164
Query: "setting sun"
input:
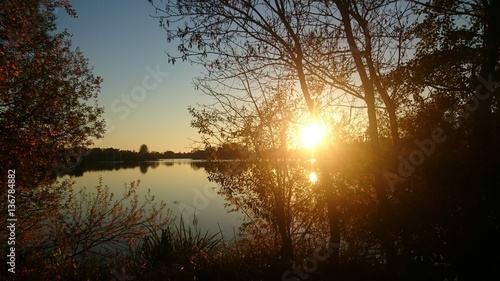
column 312, row 134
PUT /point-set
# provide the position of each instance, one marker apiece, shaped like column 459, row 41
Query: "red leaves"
column 45, row 90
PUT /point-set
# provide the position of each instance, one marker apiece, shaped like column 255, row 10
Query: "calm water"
column 182, row 184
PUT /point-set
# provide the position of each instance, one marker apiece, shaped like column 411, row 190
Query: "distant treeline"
column 224, row 151
column 116, row 155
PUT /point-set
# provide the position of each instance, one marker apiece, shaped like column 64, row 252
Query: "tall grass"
column 180, row 252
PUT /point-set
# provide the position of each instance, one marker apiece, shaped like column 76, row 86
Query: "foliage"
column 414, row 67
column 88, row 232
column 143, row 149
column 180, row 252
column 265, row 184
column 257, row 53
column 48, row 97
column 95, row 223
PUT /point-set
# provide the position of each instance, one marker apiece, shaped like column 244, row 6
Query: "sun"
column 312, row 134
column 313, row 177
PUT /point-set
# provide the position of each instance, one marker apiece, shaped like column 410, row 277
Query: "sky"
column 144, row 97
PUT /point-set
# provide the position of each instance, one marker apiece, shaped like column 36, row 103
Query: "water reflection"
column 265, row 190
column 143, row 166
column 275, row 194
column 181, row 184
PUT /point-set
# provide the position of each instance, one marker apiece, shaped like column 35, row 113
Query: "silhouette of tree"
column 413, row 67
column 143, row 149
column 457, row 62
column 337, row 51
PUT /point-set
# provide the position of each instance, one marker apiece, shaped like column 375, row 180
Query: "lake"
column 181, row 183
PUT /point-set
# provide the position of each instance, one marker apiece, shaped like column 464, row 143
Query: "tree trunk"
column 384, row 211
column 333, row 215
column 282, row 220
column 327, row 183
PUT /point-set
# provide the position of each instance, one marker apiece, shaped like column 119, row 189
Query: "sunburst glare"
column 312, row 134
column 313, row 177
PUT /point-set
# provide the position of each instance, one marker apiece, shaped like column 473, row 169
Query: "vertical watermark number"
column 11, row 220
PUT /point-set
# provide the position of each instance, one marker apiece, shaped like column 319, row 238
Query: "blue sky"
column 145, row 98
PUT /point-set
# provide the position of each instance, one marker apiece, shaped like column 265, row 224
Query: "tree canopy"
column 48, row 97
column 408, row 76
